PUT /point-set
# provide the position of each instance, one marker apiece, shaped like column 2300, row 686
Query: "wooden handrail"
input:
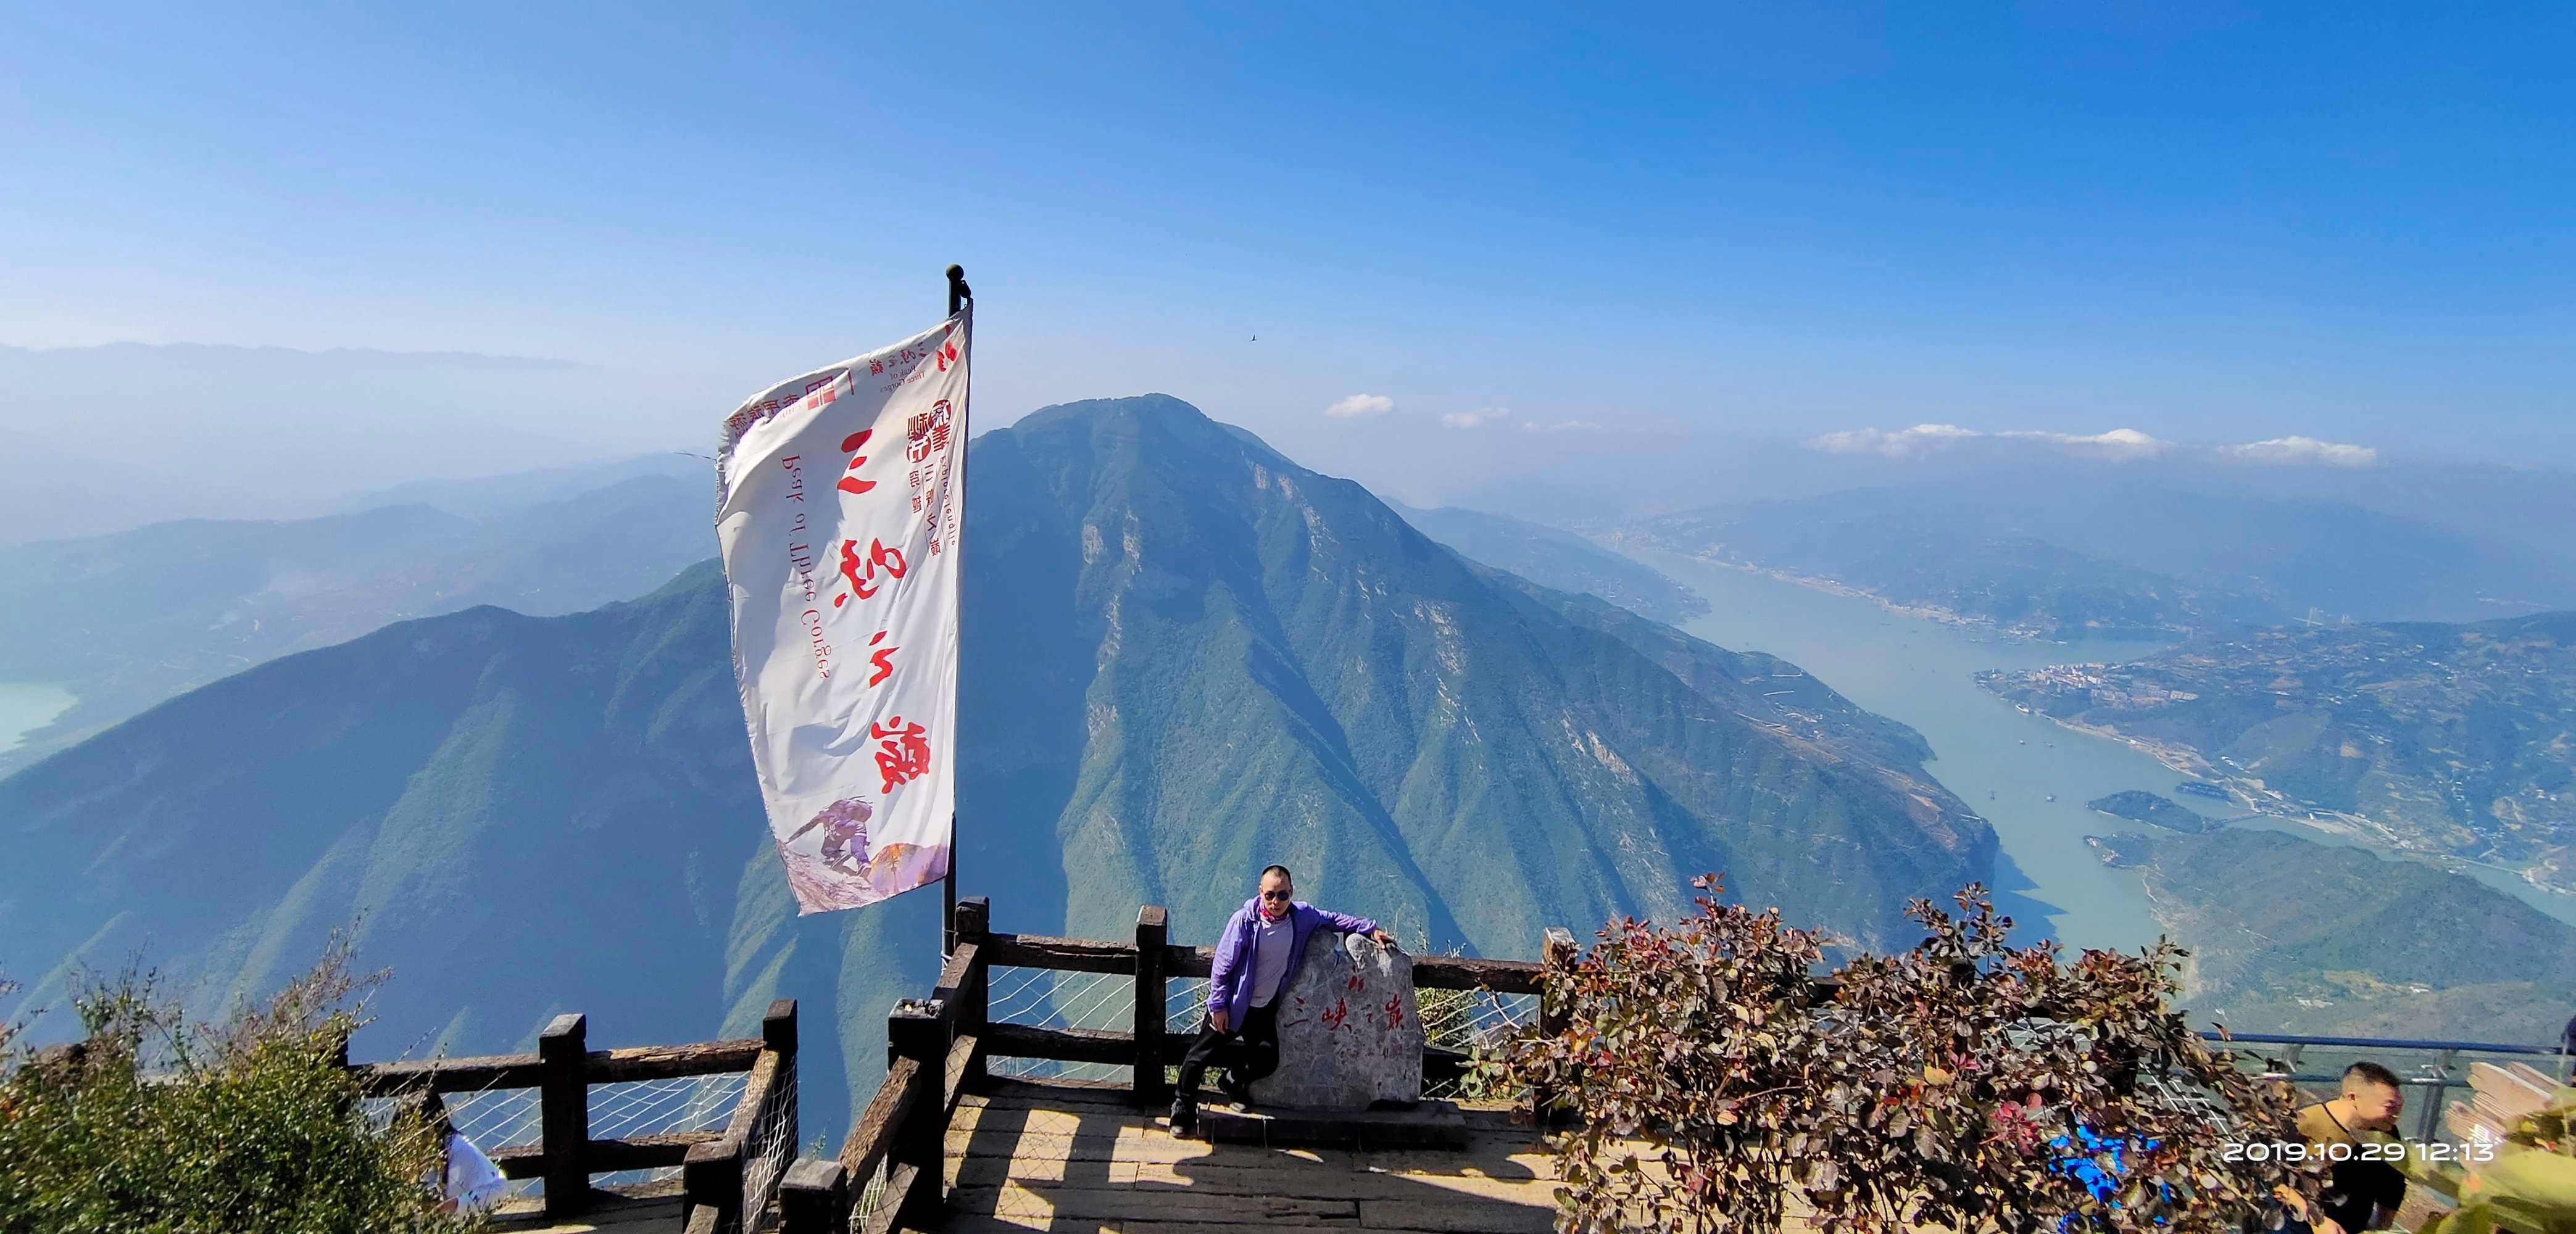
column 619, row 1066
column 936, row 1049
column 563, row 1070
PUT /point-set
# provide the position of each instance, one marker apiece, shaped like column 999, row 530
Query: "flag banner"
column 840, row 500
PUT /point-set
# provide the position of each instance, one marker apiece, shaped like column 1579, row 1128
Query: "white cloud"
column 1561, row 426
column 2302, row 451
column 1902, row 443
column 2118, row 443
column 1361, row 405
column 1478, row 418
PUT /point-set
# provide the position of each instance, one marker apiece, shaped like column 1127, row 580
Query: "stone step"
column 1428, row 1124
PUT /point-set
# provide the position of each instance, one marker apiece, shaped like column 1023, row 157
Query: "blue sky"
column 2210, row 223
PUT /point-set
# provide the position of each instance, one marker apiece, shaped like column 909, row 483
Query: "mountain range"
column 1188, row 657
column 2121, row 556
column 128, row 619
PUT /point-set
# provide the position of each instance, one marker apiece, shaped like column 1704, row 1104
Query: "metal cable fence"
column 494, row 1118
column 768, row 1148
column 1460, row 1021
column 1048, row 998
column 2431, row 1073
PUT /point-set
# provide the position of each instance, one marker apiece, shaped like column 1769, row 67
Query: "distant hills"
column 2289, row 935
column 1560, row 559
column 1188, row 657
column 2120, row 557
column 124, row 435
column 2456, row 740
column 129, row 619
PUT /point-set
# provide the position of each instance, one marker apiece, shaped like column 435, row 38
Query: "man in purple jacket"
column 1256, row 960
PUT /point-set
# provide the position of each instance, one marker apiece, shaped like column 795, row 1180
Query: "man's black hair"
column 2372, row 1072
column 1281, row 871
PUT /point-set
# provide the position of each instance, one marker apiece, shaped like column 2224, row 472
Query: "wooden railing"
column 888, row 1175
column 724, row 1174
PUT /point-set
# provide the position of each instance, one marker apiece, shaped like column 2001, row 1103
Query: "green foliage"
column 2353, row 933
column 1715, row 1086
column 159, row 1125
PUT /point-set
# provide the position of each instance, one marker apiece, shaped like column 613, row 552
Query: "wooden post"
column 711, row 1180
column 1556, row 953
column 778, row 1026
column 563, row 1113
column 1152, row 931
column 974, row 1007
column 914, row 1031
column 814, row 1198
column 778, row 1033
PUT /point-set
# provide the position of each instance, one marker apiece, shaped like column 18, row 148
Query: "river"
column 2004, row 763
column 26, row 706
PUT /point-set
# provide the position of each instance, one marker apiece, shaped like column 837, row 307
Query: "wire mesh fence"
column 493, row 1118
column 2430, row 1075
column 1047, row 998
column 768, row 1148
column 1461, row 1021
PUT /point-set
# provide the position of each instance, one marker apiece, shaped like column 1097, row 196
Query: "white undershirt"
column 1270, row 943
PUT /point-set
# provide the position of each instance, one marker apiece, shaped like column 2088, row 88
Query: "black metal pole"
column 959, row 297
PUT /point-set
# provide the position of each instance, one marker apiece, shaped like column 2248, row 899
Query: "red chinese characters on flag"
column 851, row 445
column 862, row 571
column 902, row 755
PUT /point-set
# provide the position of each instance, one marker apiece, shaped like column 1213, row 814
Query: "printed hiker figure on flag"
column 839, row 507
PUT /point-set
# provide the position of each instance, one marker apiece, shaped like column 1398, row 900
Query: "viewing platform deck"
column 1058, row 1156
column 1026, row 1093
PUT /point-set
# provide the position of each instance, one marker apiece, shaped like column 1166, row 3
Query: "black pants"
column 1252, row 1050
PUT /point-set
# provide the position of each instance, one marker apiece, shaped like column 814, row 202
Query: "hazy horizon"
column 1431, row 256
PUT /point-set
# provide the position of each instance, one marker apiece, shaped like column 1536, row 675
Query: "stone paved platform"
column 1050, row 1157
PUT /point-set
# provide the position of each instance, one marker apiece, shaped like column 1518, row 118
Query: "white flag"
column 841, row 499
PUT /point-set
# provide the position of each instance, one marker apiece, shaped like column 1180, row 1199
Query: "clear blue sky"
column 2208, row 222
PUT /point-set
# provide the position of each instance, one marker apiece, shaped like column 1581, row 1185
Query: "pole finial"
column 958, row 292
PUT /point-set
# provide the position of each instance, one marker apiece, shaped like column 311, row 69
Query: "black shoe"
column 1185, row 1117
column 1235, row 1087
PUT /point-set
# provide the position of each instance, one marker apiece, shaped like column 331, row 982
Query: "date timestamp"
column 2341, row 1151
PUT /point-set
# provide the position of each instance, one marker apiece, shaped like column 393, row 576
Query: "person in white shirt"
column 468, row 1181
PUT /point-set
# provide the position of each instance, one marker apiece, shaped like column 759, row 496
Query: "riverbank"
column 2029, row 775
column 26, row 706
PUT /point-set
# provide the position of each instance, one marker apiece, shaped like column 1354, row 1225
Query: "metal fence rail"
column 2427, row 1069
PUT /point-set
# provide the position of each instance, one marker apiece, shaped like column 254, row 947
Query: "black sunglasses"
column 1276, row 895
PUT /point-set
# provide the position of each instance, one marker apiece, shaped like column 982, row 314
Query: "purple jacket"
column 1230, row 977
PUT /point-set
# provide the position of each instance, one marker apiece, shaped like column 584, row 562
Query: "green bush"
column 158, row 1125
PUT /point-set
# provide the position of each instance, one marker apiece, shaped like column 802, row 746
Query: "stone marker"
column 1348, row 1036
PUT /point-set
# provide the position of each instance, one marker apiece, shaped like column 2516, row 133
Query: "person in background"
column 2360, row 1195
column 1256, row 959
column 468, row 1181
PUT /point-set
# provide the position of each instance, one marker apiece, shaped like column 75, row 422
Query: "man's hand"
column 1384, row 939
column 1221, row 1021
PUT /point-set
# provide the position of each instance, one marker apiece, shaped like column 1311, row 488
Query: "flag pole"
column 959, row 297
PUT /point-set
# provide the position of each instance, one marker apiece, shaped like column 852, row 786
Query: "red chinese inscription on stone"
column 1333, row 1019
column 1394, row 1010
